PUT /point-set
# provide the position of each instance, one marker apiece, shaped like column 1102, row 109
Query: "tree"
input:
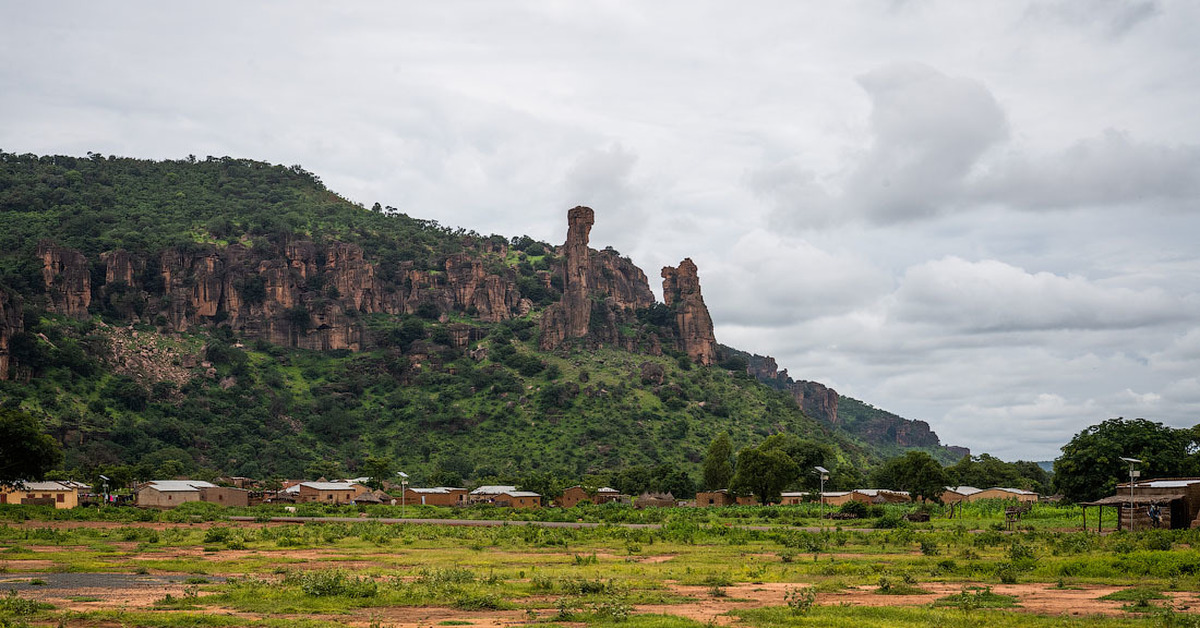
column 764, row 472
column 718, row 463
column 26, row 453
column 1090, row 466
column 377, row 470
column 916, row 472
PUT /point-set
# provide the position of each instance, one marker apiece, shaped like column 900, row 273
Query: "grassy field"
column 190, row 567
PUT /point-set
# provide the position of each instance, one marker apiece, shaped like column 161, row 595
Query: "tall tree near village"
column 718, row 463
column 26, row 453
column 1090, row 466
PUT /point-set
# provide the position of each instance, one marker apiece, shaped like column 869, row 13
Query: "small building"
column 654, row 500
column 225, row 496
column 866, row 496
column 519, row 499
column 719, row 497
column 603, row 495
column 955, row 494
column 1000, row 492
column 1175, row 501
column 435, row 496
column 505, row 496
column 61, row 495
column 794, row 498
column 170, row 493
column 487, row 494
column 327, row 492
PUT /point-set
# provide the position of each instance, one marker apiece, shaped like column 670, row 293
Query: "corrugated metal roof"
column 1165, row 483
column 329, row 486
column 178, row 486
column 964, row 490
column 493, row 490
column 47, row 486
column 521, row 494
column 1011, row 490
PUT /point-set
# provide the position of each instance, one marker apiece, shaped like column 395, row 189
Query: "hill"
column 225, row 315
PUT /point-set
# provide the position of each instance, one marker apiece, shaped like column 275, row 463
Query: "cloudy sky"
column 979, row 214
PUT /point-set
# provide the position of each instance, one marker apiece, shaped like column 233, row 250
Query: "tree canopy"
column 916, row 472
column 26, row 453
column 764, row 472
column 1090, row 466
column 718, row 463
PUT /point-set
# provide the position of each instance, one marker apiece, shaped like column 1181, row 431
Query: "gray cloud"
column 983, row 223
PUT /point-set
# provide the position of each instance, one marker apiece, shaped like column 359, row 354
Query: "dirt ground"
column 91, row 591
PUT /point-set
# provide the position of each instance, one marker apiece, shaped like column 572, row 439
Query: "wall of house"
column 997, row 494
column 61, row 499
column 226, row 496
column 153, row 498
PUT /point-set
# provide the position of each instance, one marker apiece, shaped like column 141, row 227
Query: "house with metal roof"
column 170, row 493
column 60, row 494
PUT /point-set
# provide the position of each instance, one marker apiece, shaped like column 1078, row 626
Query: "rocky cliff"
column 681, row 291
column 602, row 293
column 817, row 400
column 10, row 325
column 875, row 426
column 302, row 295
column 67, row 277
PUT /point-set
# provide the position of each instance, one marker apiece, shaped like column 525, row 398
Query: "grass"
column 344, row 567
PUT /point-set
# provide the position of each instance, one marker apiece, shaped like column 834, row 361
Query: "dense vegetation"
column 444, row 414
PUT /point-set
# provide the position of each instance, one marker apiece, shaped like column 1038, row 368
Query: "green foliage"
column 718, row 463
column 1090, row 466
column 26, row 453
column 916, row 472
column 764, row 472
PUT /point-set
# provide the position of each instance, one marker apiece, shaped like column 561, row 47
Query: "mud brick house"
column 170, row 493
column 504, row 495
column 866, row 496
column 1175, row 501
column 436, row 496
column 956, row 494
column 1000, row 492
column 572, row 496
column 61, row 495
column 327, row 492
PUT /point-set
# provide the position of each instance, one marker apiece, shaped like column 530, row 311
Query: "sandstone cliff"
column 681, row 291
column 601, row 293
column 10, row 325
column 302, row 295
column 67, row 279
column 824, row 404
column 817, row 400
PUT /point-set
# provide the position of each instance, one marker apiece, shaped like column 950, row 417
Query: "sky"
column 978, row 214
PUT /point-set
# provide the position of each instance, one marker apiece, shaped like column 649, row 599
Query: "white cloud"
column 768, row 280
column 991, row 296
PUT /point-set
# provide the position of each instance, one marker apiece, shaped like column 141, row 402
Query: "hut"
column 1169, row 503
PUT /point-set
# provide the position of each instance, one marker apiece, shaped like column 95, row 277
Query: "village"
column 1166, row 503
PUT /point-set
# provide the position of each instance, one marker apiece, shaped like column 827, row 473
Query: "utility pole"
column 1132, row 474
column 824, row 473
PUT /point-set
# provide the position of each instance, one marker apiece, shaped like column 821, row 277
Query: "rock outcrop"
column 302, row 294
column 601, row 293
column 67, row 279
column 569, row 318
column 681, row 291
column 817, row 400
column 11, row 324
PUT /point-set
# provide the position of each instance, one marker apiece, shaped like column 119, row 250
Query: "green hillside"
column 141, row 381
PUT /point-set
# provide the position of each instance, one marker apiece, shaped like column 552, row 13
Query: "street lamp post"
column 824, row 473
column 403, row 490
column 1132, row 474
